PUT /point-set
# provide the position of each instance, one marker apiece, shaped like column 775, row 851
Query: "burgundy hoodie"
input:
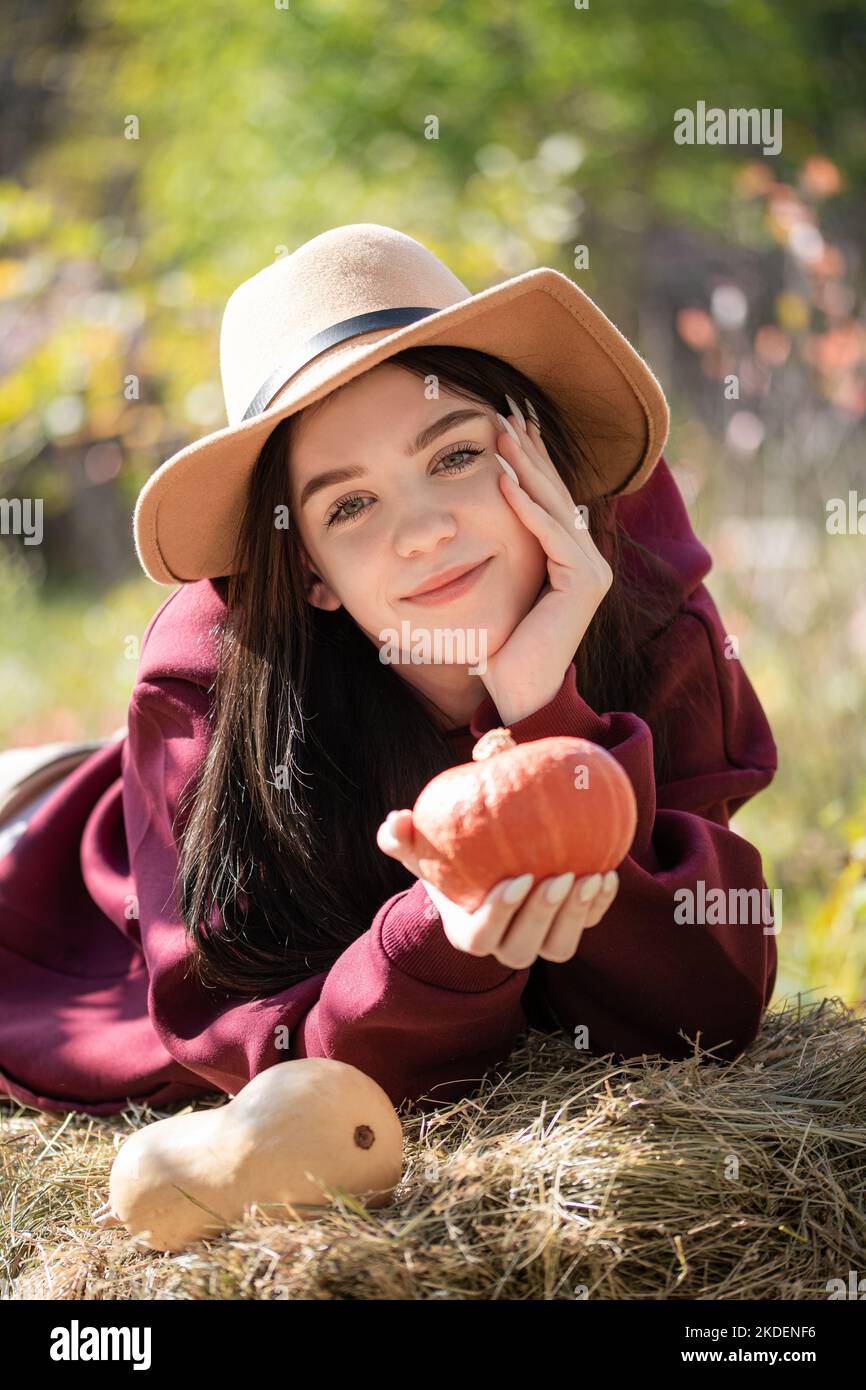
column 96, row 1006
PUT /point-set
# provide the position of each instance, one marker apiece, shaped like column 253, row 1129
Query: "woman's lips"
column 446, row 592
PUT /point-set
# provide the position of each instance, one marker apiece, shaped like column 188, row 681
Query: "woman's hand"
column 528, row 669
column 515, row 931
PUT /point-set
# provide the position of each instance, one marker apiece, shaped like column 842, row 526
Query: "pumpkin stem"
column 494, row 741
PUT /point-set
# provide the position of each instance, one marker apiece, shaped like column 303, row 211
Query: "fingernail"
column 590, row 888
column 559, row 888
column 515, row 410
column 609, row 881
column 507, row 425
column 390, row 817
column 507, row 466
column 531, row 411
column 517, row 888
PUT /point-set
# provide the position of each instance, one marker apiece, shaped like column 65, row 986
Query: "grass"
column 803, row 646
column 69, row 658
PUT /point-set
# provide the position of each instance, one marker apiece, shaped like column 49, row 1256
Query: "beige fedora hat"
column 347, row 300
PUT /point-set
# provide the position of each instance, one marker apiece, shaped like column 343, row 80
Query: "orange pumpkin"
column 542, row 807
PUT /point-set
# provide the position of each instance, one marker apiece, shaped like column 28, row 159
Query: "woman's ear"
column 319, row 594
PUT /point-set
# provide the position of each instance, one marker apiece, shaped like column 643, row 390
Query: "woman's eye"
column 337, row 516
column 466, row 449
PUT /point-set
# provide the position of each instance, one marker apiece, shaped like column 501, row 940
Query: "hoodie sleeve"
column 644, row 980
column 401, row 1003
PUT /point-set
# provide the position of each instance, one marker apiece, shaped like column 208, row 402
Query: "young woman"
column 224, row 888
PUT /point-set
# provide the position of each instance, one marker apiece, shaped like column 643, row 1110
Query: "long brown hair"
column 314, row 739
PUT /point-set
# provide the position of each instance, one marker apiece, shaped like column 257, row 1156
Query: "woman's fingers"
column 479, row 933
column 529, row 433
column 530, row 926
column 603, row 898
column 537, row 477
column 395, row 837
column 558, row 543
column 579, row 569
column 591, row 906
column 585, row 906
column 573, row 917
column 392, row 837
column 523, row 440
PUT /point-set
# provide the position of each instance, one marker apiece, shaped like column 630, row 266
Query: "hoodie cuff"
column 414, row 940
column 567, row 713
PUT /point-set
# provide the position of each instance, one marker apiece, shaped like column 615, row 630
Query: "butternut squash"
column 296, row 1128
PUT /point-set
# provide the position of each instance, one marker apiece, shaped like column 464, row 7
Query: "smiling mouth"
column 451, row 586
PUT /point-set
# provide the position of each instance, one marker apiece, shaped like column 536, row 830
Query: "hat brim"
column 187, row 514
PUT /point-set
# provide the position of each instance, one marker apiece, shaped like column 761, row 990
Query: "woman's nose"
column 423, row 533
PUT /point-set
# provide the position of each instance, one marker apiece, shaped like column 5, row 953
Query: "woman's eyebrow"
column 354, row 470
column 431, row 432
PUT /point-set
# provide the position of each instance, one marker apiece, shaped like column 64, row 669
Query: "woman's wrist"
column 512, row 709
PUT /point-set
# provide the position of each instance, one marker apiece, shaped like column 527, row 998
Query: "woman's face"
column 387, row 493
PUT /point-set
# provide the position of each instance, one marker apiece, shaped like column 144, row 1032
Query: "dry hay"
column 561, row 1177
